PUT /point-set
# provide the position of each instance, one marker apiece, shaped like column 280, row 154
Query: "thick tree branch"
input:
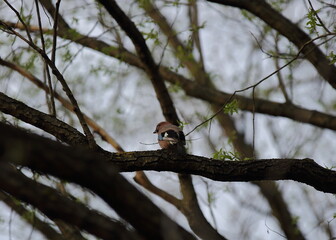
column 50, row 124
column 28, row 216
column 70, row 135
column 56, row 206
column 301, row 170
column 258, row 105
column 90, row 170
column 191, row 209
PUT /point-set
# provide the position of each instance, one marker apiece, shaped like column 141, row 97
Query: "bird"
column 170, row 136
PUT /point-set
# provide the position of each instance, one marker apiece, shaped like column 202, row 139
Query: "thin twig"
column 53, row 53
column 253, row 123
column 277, row 65
column 194, row 26
column 52, row 100
column 20, row 19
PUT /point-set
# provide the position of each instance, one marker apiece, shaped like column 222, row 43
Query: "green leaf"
column 182, row 124
column 249, row 16
column 332, row 57
column 222, row 154
column 295, row 220
column 231, row 107
column 312, row 22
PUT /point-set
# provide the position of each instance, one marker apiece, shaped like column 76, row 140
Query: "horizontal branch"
column 78, row 162
column 56, row 206
column 301, row 170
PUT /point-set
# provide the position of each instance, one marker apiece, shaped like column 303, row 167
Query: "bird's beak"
column 155, row 131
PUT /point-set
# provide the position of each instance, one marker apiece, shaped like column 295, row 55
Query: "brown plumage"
column 170, row 136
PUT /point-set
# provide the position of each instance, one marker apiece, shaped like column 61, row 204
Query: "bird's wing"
column 169, row 135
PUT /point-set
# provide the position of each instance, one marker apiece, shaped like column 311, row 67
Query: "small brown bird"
column 170, row 136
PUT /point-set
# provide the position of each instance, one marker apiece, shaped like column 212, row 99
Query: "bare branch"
column 145, row 56
column 142, row 179
column 52, row 100
column 55, row 206
column 53, row 53
column 20, row 19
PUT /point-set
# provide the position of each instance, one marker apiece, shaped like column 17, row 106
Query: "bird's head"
column 161, row 125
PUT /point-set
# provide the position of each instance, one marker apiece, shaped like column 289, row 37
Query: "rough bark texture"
column 56, row 206
column 301, row 170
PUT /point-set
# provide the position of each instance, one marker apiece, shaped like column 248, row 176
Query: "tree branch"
column 27, row 215
column 55, row 206
column 301, row 170
column 141, row 178
column 145, row 56
column 90, row 170
column 52, row 125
